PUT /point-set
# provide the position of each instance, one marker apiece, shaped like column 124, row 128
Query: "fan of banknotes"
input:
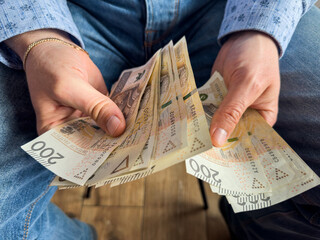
column 256, row 168
column 166, row 118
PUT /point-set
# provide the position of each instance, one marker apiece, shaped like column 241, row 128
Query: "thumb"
column 99, row 107
column 227, row 116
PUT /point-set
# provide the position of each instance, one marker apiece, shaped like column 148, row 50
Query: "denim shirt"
column 278, row 19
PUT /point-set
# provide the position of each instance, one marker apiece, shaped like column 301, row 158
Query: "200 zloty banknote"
column 255, row 168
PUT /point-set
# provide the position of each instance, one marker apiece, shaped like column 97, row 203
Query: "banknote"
column 182, row 106
column 131, row 148
column 145, row 156
column 241, row 203
column 169, row 127
column 71, row 157
column 237, row 158
column 305, row 180
column 198, row 138
column 255, row 168
column 76, row 149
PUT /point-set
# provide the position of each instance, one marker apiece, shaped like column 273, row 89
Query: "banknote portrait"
column 210, row 109
column 121, row 83
column 126, row 99
column 183, row 75
column 145, row 98
column 164, row 84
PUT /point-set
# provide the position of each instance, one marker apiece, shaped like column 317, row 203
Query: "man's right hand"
column 65, row 84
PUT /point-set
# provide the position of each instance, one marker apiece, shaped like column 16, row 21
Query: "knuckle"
column 256, row 85
column 98, row 108
column 239, row 74
column 252, row 79
column 233, row 112
column 259, row 85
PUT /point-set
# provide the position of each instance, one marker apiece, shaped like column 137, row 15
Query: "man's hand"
column 65, row 84
column 249, row 64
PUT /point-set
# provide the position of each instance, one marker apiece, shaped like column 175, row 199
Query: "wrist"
column 20, row 43
column 264, row 37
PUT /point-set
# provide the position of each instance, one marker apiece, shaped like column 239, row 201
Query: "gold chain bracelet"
column 32, row 45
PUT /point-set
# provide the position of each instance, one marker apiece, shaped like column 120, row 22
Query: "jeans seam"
column 164, row 35
column 28, row 217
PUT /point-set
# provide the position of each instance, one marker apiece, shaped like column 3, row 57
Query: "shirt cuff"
column 17, row 18
column 274, row 18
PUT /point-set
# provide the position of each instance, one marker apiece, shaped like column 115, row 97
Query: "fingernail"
column 219, row 136
column 113, row 124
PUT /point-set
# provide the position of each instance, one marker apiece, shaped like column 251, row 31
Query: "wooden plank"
column 114, row 223
column 129, row 194
column 70, row 201
column 216, row 226
column 173, row 206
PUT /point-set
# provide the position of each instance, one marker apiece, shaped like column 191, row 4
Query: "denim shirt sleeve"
column 278, row 18
column 17, row 17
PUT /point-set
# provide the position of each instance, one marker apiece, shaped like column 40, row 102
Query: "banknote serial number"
column 46, row 152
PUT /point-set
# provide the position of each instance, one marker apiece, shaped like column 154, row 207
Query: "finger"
column 229, row 113
column 98, row 106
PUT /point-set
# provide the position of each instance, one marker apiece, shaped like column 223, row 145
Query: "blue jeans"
column 120, row 37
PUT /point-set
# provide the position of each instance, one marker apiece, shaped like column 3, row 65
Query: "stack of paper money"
column 256, row 168
column 165, row 124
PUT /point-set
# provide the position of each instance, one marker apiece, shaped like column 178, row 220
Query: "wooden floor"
column 166, row 205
